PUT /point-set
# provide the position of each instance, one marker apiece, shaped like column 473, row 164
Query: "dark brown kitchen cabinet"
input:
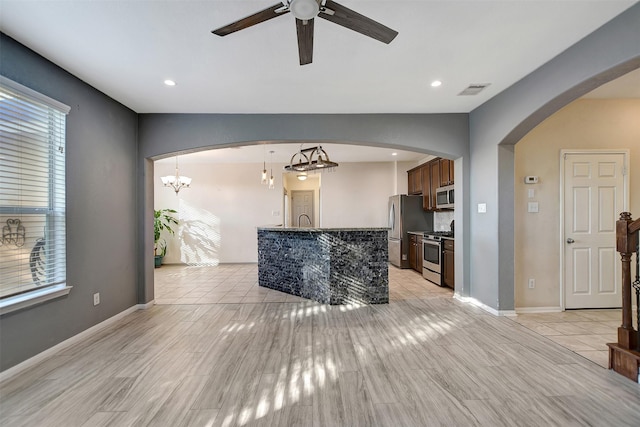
column 419, row 254
column 427, row 178
column 415, row 252
column 448, row 263
column 415, row 181
column 446, row 172
column 426, row 187
column 434, row 166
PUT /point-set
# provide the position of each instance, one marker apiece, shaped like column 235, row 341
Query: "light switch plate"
column 532, row 207
column 482, row 208
column 531, row 193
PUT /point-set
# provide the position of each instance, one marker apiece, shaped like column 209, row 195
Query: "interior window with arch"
column 32, row 197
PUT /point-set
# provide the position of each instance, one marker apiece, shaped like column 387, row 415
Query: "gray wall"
column 101, row 209
column 444, row 135
column 606, row 54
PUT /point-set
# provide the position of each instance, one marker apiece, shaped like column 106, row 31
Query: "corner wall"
column 607, row 53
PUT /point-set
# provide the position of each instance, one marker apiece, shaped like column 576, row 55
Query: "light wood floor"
column 423, row 360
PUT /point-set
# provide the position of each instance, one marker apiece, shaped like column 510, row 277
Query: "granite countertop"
column 321, row 229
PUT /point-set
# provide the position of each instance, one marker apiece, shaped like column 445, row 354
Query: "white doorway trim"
column 561, row 242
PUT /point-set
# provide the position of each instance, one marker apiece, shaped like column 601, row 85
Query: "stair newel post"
column 626, row 244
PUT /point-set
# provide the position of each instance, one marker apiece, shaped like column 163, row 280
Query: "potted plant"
column 162, row 220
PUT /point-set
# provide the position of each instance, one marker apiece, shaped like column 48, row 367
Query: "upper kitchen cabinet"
column 415, row 181
column 427, row 178
column 446, row 172
column 434, row 172
column 426, row 187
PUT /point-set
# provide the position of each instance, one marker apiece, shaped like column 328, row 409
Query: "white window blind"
column 32, row 190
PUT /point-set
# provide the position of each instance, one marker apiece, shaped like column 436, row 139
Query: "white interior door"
column 594, row 196
column 301, row 205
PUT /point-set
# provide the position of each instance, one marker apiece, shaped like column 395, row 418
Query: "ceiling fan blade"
column 305, row 40
column 264, row 15
column 354, row 21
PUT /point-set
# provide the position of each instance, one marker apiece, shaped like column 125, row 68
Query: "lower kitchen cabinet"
column 415, row 252
column 448, row 267
column 419, row 254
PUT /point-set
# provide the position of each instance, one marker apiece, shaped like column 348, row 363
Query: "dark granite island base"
column 328, row 265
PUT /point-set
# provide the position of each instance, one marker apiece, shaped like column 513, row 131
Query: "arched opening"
column 226, row 202
column 603, row 119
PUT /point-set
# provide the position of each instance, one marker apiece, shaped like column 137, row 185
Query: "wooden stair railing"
column 624, row 356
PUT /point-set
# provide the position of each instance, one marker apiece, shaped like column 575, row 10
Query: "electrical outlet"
column 96, row 298
column 532, row 283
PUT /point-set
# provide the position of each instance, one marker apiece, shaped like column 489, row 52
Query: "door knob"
column 570, row 240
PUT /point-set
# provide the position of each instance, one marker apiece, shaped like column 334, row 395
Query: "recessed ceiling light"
column 169, row 82
column 394, row 154
column 436, row 83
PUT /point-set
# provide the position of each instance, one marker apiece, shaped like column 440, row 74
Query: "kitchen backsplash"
column 442, row 220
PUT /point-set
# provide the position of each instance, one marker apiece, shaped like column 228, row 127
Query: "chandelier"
column 176, row 181
column 310, row 159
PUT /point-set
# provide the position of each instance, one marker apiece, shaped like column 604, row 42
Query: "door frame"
column 625, row 201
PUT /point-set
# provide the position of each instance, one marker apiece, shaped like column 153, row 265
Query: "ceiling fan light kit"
column 303, row 9
column 305, row 12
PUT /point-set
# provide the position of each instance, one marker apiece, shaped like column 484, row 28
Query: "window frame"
column 36, row 296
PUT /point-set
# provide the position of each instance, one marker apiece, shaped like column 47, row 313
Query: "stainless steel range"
column 432, row 255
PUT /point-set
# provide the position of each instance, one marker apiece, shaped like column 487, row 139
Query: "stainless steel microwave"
column 445, row 197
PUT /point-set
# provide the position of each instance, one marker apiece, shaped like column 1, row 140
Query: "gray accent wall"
column 607, row 53
column 101, row 209
column 160, row 135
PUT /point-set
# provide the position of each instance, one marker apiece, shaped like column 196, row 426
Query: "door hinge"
column 624, row 171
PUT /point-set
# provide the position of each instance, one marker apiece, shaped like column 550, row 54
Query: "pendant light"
column 271, row 180
column 176, row 181
column 264, row 169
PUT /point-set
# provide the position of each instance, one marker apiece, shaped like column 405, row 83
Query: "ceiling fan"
column 305, row 11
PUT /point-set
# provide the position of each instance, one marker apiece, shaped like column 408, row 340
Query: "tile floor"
column 238, row 284
column 585, row 332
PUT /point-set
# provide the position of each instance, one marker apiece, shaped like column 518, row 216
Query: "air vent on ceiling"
column 473, row 89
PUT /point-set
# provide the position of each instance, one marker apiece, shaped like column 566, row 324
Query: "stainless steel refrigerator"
column 405, row 214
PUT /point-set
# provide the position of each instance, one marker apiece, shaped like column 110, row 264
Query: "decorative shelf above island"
column 328, row 265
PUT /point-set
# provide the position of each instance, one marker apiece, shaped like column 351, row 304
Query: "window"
column 32, row 197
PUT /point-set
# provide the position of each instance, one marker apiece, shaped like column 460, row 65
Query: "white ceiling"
column 282, row 153
column 127, row 49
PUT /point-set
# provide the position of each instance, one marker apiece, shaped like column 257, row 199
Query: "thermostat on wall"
column 530, row 179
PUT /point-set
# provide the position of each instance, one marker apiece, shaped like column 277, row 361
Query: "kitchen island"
column 328, row 265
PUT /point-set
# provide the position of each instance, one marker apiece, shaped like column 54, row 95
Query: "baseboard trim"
column 491, row 310
column 147, row 305
column 532, row 310
column 32, row 361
